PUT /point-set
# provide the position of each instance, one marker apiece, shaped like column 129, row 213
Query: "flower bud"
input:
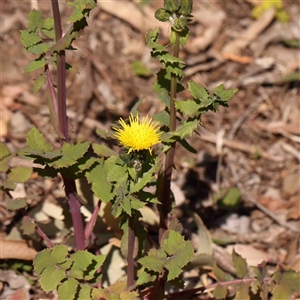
column 180, row 24
column 186, row 7
column 171, row 5
column 162, row 15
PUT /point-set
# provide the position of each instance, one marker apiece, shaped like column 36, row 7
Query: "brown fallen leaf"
column 17, row 250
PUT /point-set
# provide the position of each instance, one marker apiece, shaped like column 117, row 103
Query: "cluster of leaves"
column 282, row 284
column 174, row 254
column 39, row 37
column 74, row 276
column 191, row 110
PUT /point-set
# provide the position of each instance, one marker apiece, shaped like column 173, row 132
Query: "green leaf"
column 242, row 291
column 29, row 39
column 59, row 253
column 163, row 118
column 187, row 146
column 16, row 204
column 38, row 49
column 68, row 289
column 186, row 129
column 43, row 260
column 36, row 64
column 285, row 278
column 219, row 273
column 71, row 153
column 152, row 37
column 35, row 20
column 66, row 41
column 147, row 177
column 260, row 272
column 103, row 150
column 48, row 24
column 36, row 141
column 187, row 107
column 220, row 292
column 5, row 185
column 51, row 277
column 197, row 91
column 136, row 203
column 180, row 253
column 224, row 95
column 84, row 292
column 240, row 265
column 66, row 265
column 50, row 258
column 115, row 171
column 28, row 226
column 231, row 199
column 126, row 205
column 100, row 185
column 82, row 259
column 4, row 152
column 97, row 262
column 38, row 82
column 154, row 261
column 19, row 174
column 145, row 277
column 175, row 71
column 5, row 156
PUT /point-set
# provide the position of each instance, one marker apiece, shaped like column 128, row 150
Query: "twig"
column 192, row 292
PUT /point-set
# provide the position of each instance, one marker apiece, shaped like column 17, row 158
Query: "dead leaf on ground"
column 16, row 250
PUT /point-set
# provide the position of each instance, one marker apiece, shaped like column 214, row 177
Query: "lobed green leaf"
column 180, row 253
column 28, row 226
column 38, row 82
column 240, row 264
column 51, row 277
column 197, row 91
column 220, row 292
column 82, row 259
column 19, row 174
column 84, row 292
column 36, row 64
column 187, row 107
column 186, row 129
column 16, row 204
column 35, row 20
column 68, row 289
column 36, row 141
column 154, row 261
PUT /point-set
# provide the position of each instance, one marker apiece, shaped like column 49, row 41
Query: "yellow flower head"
column 138, row 134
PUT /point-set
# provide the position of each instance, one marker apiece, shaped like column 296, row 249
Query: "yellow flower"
column 138, row 134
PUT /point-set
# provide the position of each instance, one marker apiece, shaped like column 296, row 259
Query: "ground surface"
column 253, row 145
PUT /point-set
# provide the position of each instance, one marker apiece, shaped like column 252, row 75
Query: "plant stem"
column 40, row 232
column 188, row 293
column 130, row 253
column 164, row 193
column 70, row 187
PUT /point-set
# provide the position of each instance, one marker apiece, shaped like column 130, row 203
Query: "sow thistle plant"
column 144, row 160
